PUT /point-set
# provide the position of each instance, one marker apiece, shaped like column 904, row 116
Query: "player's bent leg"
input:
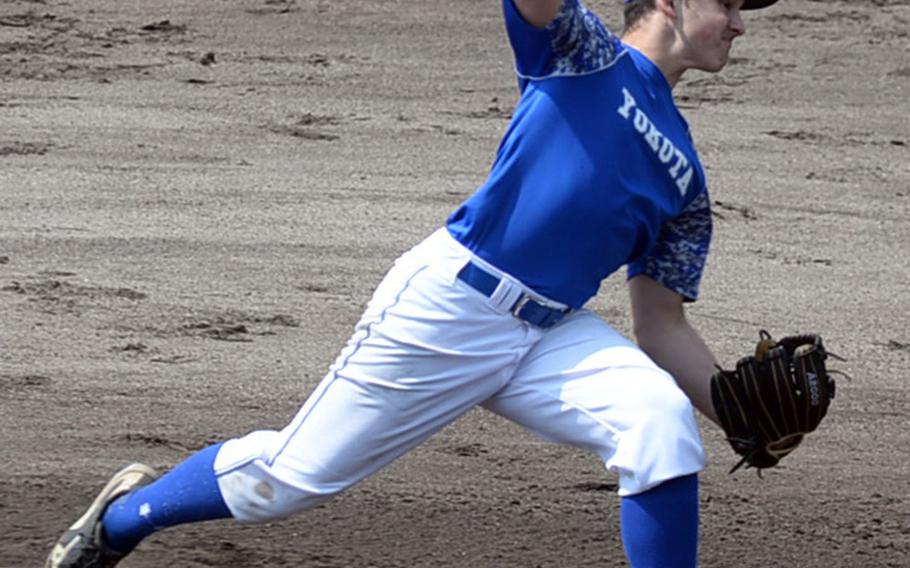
column 660, row 525
column 587, row 386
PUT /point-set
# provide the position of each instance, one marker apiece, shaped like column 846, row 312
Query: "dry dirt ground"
column 198, row 198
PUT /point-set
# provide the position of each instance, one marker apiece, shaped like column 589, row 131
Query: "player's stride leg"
column 414, row 364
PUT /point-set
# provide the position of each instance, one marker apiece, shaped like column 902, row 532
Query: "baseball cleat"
column 81, row 546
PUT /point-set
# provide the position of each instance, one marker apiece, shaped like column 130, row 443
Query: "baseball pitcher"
column 597, row 171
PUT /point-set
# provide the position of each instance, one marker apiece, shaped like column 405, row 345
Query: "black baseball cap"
column 756, row 4
column 747, row 5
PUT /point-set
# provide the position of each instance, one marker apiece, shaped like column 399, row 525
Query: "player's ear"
column 667, row 7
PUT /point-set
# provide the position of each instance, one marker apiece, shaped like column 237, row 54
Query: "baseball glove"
column 774, row 398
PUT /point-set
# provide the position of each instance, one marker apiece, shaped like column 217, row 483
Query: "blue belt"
column 525, row 308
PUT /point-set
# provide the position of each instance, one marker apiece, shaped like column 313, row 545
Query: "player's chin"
column 715, row 64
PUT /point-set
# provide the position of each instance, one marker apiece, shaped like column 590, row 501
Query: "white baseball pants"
column 428, row 349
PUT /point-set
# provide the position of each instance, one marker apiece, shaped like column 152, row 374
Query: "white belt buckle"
column 522, row 301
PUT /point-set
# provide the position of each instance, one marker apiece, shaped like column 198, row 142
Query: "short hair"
column 635, row 10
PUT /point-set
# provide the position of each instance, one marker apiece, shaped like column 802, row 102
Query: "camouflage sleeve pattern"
column 575, row 43
column 580, row 42
column 677, row 260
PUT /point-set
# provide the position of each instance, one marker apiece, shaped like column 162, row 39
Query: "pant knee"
column 258, row 486
column 661, row 443
column 668, row 408
column 257, row 493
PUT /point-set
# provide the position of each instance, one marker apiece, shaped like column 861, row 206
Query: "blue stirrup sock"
column 660, row 526
column 187, row 494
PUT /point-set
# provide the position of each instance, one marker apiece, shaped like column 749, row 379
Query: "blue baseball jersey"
column 596, row 170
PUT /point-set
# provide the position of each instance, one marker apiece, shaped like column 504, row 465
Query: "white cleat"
column 81, row 546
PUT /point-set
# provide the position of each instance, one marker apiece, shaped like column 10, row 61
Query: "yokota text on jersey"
column 596, row 170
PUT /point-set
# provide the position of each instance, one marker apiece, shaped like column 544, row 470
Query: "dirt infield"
column 197, row 198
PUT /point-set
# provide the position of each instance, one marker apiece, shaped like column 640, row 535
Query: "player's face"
column 708, row 28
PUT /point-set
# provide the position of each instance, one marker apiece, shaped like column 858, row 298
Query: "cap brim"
column 756, row 4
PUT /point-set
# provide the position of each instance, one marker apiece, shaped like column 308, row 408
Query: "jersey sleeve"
column 677, row 259
column 575, row 42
